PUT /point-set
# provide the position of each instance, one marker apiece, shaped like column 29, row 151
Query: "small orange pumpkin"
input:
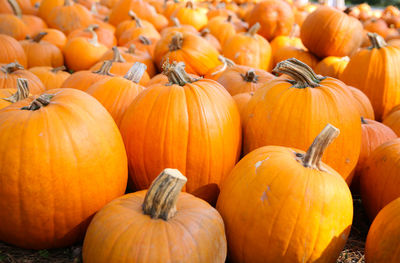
column 104, row 36
column 140, row 29
column 55, row 37
column 190, row 15
column 52, row 78
column 11, row 51
column 178, row 27
column 332, row 66
column 10, row 96
column 392, row 119
column 11, row 72
column 294, row 52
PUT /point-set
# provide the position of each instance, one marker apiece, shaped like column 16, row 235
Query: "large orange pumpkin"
column 189, row 124
column 383, row 238
column 282, row 205
column 117, row 93
column 291, row 111
column 197, row 53
column 380, row 180
column 11, row 72
column 373, row 135
column 157, row 225
column 82, row 80
column 73, row 163
column 240, row 79
column 52, row 78
column 11, row 51
column 42, row 53
column 10, row 96
column 371, row 70
column 330, row 32
column 275, row 17
column 249, row 49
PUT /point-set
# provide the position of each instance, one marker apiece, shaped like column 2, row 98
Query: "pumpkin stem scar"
column 160, row 200
column 303, row 76
column 313, row 156
column 176, row 73
column 42, row 101
column 22, row 91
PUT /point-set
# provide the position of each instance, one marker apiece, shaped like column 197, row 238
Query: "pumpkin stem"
column 67, row 3
column 229, row 18
column 91, row 27
column 175, row 21
column 363, row 121
column 189, row 4
column 254, row 29
column 313, row 156
column 176, row 42
column 93, row 9
column 160, row 199
column 22, row 91
column 10, row 68
column 15, row 7
column 39, row 37
column 205, row 32
column 376, row 40
column 227, row 63
column 105, row 68
column 303, row 76
column 55, row 70
column 131, row 49
column 136, row 72
column 42, row 101
column 117, row 57
column 132, row 15
column 94, row 40
column 138, row 22
column 250, row 76
column 176, row 73
column 144, row 40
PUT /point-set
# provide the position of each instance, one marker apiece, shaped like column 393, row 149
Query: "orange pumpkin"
column 55, row 37
column 6, row 7
column 249, row 49
column 178, row 27
column 384, row 235
column 371, row 71
column 117, row 93
column 11, row 51
column 42, row 53
column 81, row 53
column 163, row 219
column 299, row 107
column 11, row 72
column 294, row 52
column 330, row 32
column 198, row 55
column 363, row 104
column 12, row 24
column 105, row 36
column 216, row 72
column 131, row 23
column 284, row 41
column 284, row 198
column 392, row 119
column 242, row 99
column 379, row 180
column 378, row 26
column 223, row 28
column 373, row 135
column 46, row 7
column 82, row 80
column 190, row 15
column 332, row 66
column 52, row 78
column 69, row 17
column 240, row 79
column 143, row 43
column 10, row 96
column 197, row 121
column 133, row 33
column 205, row 33
column 275, row 17
column 131, row 54
column 88, row 165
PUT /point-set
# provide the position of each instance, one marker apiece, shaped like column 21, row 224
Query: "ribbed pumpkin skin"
column 373, row 135
column 42, row 54
column 198, row 55
column 276, row 210
column 393, row 121
column 50, row 79
column 73, row 163
column 82, row 80
column 373, row 73
column 383, row 238
column 116, row 95
column 233, row 81
column 279, row 114
column 380, row 180
column 330, row 32
column 332, row 66
column 9, row 81
column 120, row 232
column 11, row 51
column 363, row 103
column 194, row 128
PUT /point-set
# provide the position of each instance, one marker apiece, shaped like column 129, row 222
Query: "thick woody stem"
column 160, row 200
column 55, row 70
column 136, row 72
column 39, row 37
column 117, row 57
column 22, row 91
column 176, row 73
column 105, row 68
column 376, row 40
column 176, row 42
column 42, row 101
column 11, row 67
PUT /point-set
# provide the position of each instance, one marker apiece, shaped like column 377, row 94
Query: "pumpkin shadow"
column 208, row 193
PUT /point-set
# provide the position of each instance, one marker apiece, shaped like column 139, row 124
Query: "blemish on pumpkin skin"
column 259, row 163
column 265, row 195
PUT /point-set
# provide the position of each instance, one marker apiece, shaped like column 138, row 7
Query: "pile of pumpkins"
column 247, row 121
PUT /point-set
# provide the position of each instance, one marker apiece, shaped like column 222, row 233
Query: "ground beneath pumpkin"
column 352, row 253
